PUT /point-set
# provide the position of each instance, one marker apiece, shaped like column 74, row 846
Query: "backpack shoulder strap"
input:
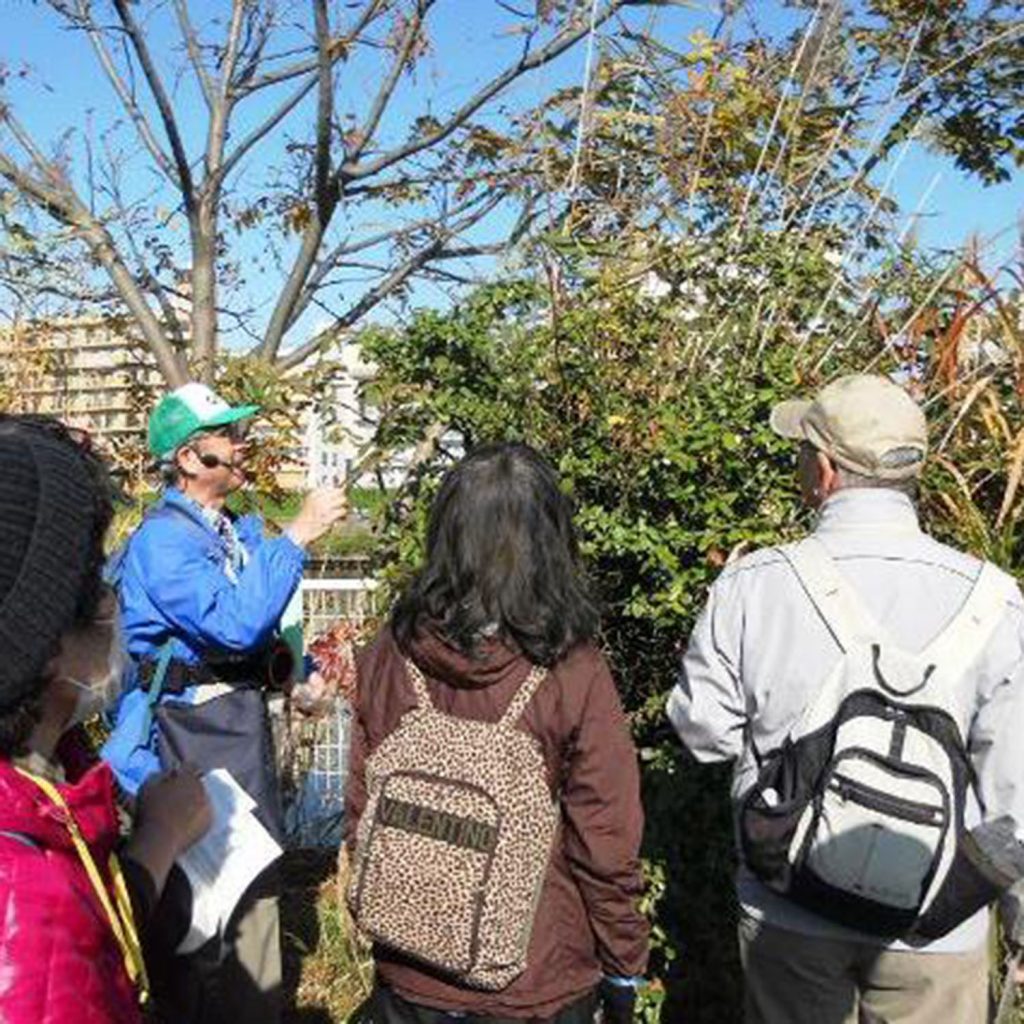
column 955, row 649
column 166, row 510
column 523, row 696
column 113, row 570
column 419, row 684
column 513, row 712
column 156, row 684
column 834, row 598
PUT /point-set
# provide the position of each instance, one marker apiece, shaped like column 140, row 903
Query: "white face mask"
column 98, row 694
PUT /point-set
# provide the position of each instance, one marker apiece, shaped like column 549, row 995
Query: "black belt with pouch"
column 270, row 668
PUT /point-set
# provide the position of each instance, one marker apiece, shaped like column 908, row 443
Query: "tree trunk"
column 203, row 227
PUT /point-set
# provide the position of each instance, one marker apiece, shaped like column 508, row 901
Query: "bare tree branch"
column 263, row 130
column 257, row 82
column 147, row 279
column 326, row 194
column 125, row 95
column 292, row 294
column 27, row 143
column 33, row 274
column 195, row 54
column 565, row 39
column 203, row 226
column 253, row 46
column 469, row 251
column 387, row 88
column 231, row 49
column 244, row 62
column 329, row 52
column 390, row 284
column 347, row 248
column 163, row 101
column 325, row 104
column 67, row 293
column 57, row 198
column 373, row 188
column 339, row 48
column 369, row 300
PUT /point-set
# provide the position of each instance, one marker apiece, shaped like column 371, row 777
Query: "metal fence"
column 327, row 601
column 313, row 753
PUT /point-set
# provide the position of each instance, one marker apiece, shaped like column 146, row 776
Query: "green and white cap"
column 186, row 411
column 864, row 422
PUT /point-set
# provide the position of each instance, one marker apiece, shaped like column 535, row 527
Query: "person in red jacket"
column 69, row 945
column 501, row 591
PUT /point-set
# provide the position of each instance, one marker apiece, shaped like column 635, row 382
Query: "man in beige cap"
column 868, row 682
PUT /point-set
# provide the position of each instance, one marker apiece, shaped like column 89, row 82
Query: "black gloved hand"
column 617, row 1002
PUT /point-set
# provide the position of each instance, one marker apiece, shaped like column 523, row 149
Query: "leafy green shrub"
column 655, row 412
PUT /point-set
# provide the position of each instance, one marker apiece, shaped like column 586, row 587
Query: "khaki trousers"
column 798, row 979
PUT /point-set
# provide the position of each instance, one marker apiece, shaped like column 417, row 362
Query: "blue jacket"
column 173, row 586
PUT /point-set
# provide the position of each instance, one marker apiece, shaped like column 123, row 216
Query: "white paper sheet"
column 222, row 865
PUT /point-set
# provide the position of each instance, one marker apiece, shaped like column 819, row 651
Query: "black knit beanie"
column 47, row 514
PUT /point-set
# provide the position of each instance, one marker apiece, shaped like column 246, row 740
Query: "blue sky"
column 470, row 40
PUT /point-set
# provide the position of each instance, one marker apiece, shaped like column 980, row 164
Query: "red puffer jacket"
column 59, row 960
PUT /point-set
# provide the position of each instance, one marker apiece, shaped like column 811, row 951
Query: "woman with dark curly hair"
column 69, row 946
column 495, row 636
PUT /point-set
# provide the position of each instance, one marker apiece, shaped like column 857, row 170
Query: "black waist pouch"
column 231, row 731
column 989, row 859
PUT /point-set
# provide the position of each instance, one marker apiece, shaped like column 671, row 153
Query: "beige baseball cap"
column 865, row 423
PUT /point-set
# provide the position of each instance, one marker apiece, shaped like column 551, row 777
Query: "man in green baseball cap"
column 202, row 593
column 199, row 443
column 188, row 410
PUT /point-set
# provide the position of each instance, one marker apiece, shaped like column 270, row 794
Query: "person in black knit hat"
column 70, row 945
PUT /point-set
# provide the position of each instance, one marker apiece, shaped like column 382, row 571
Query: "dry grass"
column 326, row 975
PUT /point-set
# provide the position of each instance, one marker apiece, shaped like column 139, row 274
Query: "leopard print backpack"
column 453, row 846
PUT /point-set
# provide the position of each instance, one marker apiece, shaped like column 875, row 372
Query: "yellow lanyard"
column 119, row 912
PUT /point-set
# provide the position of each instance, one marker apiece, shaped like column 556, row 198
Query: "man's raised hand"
column 321, row 509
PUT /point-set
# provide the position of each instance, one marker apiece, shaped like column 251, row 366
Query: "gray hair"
column 167, row 467
column 848, row 480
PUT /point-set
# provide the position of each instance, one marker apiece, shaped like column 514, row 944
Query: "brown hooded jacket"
column 588, row 921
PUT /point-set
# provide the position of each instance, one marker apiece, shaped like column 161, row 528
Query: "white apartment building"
column 339, row 434
column 92, row 372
